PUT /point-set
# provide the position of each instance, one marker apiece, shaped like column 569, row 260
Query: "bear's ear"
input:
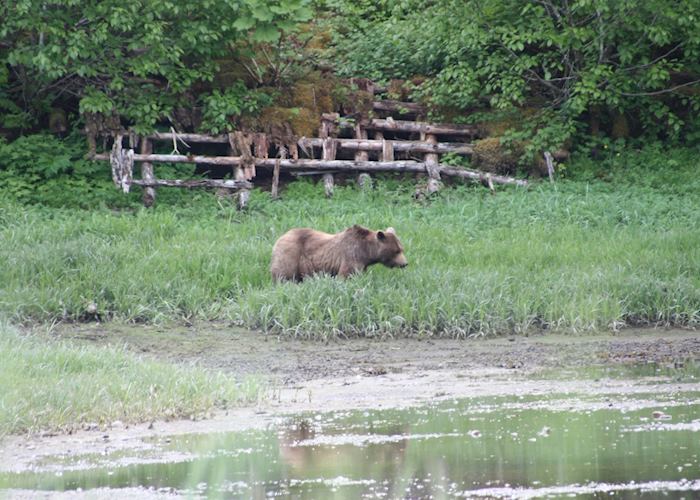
column 381, row 236
column 391, row 230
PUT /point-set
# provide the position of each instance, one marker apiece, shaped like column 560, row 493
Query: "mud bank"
column 288, row 361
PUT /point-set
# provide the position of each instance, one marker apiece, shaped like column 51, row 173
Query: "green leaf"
column 244, row 23
column 266, row 33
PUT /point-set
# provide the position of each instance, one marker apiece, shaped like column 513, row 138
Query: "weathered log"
column 274, row 191
column 328, row 165
column 364, row 180
column 360, row 135
column 328, row 185
column 169, row 136
column 261, row 145
column 239, row 143
column 406, row 126
column 378, row 144
column 149, row 193
column 122, row 163
column 549, row 160
column 387, row 150
column 481, row 176
column 163, row 158
column 432, row 166
column 306, row 173
column 194, row 183
column 427, row 128
column 390, row 166
column 328, row 125
column 398, row 106
column 330, row 146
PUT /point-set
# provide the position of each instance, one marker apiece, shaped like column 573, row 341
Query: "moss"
column 491, row 156
column 304, row 122
column 283, row 124
column 313, row 96
column 400, row 90
column 358, row 103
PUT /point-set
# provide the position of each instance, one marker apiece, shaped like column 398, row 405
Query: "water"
column 642, row 443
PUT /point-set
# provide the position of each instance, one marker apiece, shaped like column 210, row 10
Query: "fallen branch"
column 407, row 146
column 405, row 126
column 168, row 136
column 194, row 183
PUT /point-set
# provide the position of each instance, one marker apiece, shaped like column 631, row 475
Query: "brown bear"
column 302, row 252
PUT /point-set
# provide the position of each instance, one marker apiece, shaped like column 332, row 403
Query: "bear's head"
column 390, row 249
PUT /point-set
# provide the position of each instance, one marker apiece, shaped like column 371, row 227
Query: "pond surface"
column 644, row 443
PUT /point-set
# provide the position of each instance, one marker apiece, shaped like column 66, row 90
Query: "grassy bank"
column 61, row 386
column 617, row 245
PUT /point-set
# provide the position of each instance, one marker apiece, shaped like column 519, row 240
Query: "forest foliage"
column 615, row 67
column 553, row 74
column 136, row 59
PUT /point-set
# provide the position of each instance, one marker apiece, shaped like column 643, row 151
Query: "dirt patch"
column 285, row 361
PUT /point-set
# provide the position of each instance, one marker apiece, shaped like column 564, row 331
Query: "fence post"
column 274, row 191
column 330, row 146
column 329, row 150
column 549, row 160
column 432, row 166
column 387, row 153
column 149, row 193
column 361, row 134
column 238, row 144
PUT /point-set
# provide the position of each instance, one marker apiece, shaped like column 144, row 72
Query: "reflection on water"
column 506, row 447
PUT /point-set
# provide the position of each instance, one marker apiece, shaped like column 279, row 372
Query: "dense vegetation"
column 573, row 69
column 569, row 68
column 138, row 60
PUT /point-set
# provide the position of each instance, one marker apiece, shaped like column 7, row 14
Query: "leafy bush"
column 602, row 61
column 134, row 59
column 221, row 108
column 44, row 169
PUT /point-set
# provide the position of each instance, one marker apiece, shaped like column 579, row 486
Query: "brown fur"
column 302, row 252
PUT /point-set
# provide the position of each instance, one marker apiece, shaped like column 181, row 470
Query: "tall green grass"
column 584, row 254
column 59, row 386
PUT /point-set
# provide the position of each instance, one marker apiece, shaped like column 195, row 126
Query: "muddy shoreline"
column 288, row 361
column 356, row 374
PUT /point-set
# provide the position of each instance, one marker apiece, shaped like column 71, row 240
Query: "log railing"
column 246, row 152
column 324, row 165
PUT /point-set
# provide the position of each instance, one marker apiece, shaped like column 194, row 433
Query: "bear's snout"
column 400, row 261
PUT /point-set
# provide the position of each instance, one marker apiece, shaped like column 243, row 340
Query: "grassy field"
column 617, row 245
column 60, row 386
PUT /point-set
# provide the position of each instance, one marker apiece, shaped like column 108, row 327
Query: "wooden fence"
column 418, row 144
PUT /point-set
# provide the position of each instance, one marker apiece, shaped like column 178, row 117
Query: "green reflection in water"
column 439, row 450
